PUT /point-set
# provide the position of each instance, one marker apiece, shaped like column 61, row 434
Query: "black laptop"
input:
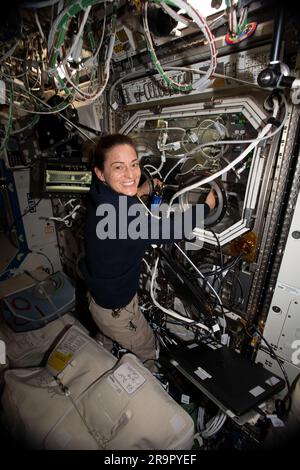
column 232, row 381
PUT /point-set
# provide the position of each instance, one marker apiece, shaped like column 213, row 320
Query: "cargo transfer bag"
column 85, row 399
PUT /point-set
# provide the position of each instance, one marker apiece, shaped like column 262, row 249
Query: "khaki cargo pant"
column 128, row 327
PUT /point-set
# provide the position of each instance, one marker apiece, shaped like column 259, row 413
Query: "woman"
column 114, row 255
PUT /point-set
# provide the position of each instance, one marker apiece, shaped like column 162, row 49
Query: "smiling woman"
column 112, row 263
column 111, row 268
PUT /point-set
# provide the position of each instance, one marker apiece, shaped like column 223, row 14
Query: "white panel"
column 39, row 230
column 282, row 328
column 278, row 313
column 290, row 267
column 291, row 330
column 90, row 116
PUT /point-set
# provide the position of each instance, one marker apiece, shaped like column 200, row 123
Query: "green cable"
column 157, row 65
column 63, row 24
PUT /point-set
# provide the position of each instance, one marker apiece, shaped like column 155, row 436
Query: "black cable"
column 14, row 223
column 274, row 356
column 242, row 297
column 226, row 267
column 221, row 257
column 19, row 218
column 87, row 128
column 219, row 246
column 207, row 301
column 232, row 305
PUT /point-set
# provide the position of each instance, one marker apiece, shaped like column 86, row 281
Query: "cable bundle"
column 203, row 82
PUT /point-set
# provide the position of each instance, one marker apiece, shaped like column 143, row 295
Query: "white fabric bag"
column 93, row 403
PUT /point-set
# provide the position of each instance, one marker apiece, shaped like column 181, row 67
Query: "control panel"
column 244, row 65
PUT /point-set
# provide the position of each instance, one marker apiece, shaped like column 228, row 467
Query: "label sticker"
column 191, row 346
column 66, row 350
column 129, row 378
column 71, row 343
column 272, row 380
column 276, row 422
column 185, row 399
column 202, row 373
column 257, row 391
column 288, row 289
column 58, row 360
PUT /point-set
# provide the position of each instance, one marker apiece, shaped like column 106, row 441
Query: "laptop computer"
column 233, row 382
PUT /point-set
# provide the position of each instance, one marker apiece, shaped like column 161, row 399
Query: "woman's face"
column 121, row 170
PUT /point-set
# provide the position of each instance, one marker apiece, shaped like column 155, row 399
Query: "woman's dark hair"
column 106, row 143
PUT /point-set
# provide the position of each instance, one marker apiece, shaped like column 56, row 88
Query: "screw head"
column 276, row 309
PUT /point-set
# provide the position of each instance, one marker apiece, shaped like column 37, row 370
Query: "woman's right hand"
column 211, row 199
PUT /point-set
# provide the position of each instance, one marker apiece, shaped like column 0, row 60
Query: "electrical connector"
column 225, row 339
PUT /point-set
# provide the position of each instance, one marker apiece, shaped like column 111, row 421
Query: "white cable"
column 9, row 52
column 162, row 162
column 148, row 210
column 212, row 23
column 249, row 141
column 46, row 3
column 147, row 264
column 203, row 277
column 80, row 31
column 92, row 58
column 203, row 82
column 215, row 75
column 156, row 171
column 200, row 419
column 52, row 112
column 173, row 167
column 90, row 97
column 191, row 169
column 171, row 312
column 68, row 223
column 150, row 166
column 196, row 16
column 234, row 142
column 87, row 97
column 214, row 425
column 158, row 129
column 219, row 173
column 39, row 25
column 175, row 15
